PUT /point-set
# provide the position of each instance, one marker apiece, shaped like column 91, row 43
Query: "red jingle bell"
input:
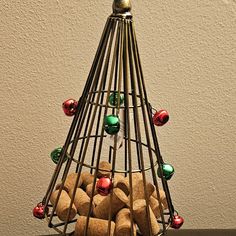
column 39, row 212
column 104, row 186
column 160, row 118
column 177, row 222
column 70, row 107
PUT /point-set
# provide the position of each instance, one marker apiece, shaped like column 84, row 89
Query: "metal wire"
column 116, row 69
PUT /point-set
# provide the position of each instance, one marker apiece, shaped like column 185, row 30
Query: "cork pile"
column 102, row 206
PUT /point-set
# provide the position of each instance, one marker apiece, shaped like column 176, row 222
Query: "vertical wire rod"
column 134, row 98
column 115, row 84
column 139, row 139
column 145, row 122
column 114, row 63
column 127, row 115
column 92, row 121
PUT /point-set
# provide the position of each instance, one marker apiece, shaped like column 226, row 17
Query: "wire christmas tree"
column 110, row 177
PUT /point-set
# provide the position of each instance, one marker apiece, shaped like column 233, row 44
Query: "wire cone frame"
column 116, row 71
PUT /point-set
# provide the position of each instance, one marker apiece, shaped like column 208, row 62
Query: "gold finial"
column 121, row 6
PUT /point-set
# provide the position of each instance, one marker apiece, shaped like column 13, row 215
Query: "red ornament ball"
column 39, row 212
column 160, row 118
column 70, row 107
column 104, row 186
column 177, row 222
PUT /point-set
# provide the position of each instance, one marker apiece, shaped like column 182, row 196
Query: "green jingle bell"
column 168, row 171
column 55, row 155
column 112, row 124
column 114, row 99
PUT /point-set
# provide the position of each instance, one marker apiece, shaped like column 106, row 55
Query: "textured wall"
column 188, row 56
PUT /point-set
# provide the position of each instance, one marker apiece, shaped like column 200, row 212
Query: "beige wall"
column 188, row 56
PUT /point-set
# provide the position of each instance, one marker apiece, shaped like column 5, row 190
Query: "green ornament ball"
column 55, row 155
column 114, row 99
column 112, row 124
column 168, row 171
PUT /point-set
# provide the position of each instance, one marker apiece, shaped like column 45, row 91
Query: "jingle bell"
column 112, row 124
column 55, row 155
column 177, row 222
column 114, row 99
column 39, row 211
column 70, row 107
column 168, row 171
column 104, row 186
column 160, row 118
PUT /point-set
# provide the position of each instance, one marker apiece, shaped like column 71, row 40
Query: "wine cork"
column 138, row 190
column 87, row 179
column 119, row 199
column 124, row 184
column 136, row 177
column 97, row 199
column 96, row 227
column 63, row 205
column 81, row 201
column 104, row 169
column 141, row 218
column 116, row 179
column 58, row 186
column 155, row 206
column 123, row 223
column 162, row 198
column 89, row 190
column 70, row 182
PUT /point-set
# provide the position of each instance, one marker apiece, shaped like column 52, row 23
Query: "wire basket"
column 110, row 177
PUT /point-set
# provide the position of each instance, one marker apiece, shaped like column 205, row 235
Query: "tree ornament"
column 56, row 153
column 131, row 145
column 160, row 118
column 104, row 186
column 70, row 106
column 39, row 211
column 114, row 100
column 177, row 222
column 168, row 171
column 112, row 124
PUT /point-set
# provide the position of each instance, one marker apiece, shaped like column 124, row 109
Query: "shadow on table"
column 190, row 232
